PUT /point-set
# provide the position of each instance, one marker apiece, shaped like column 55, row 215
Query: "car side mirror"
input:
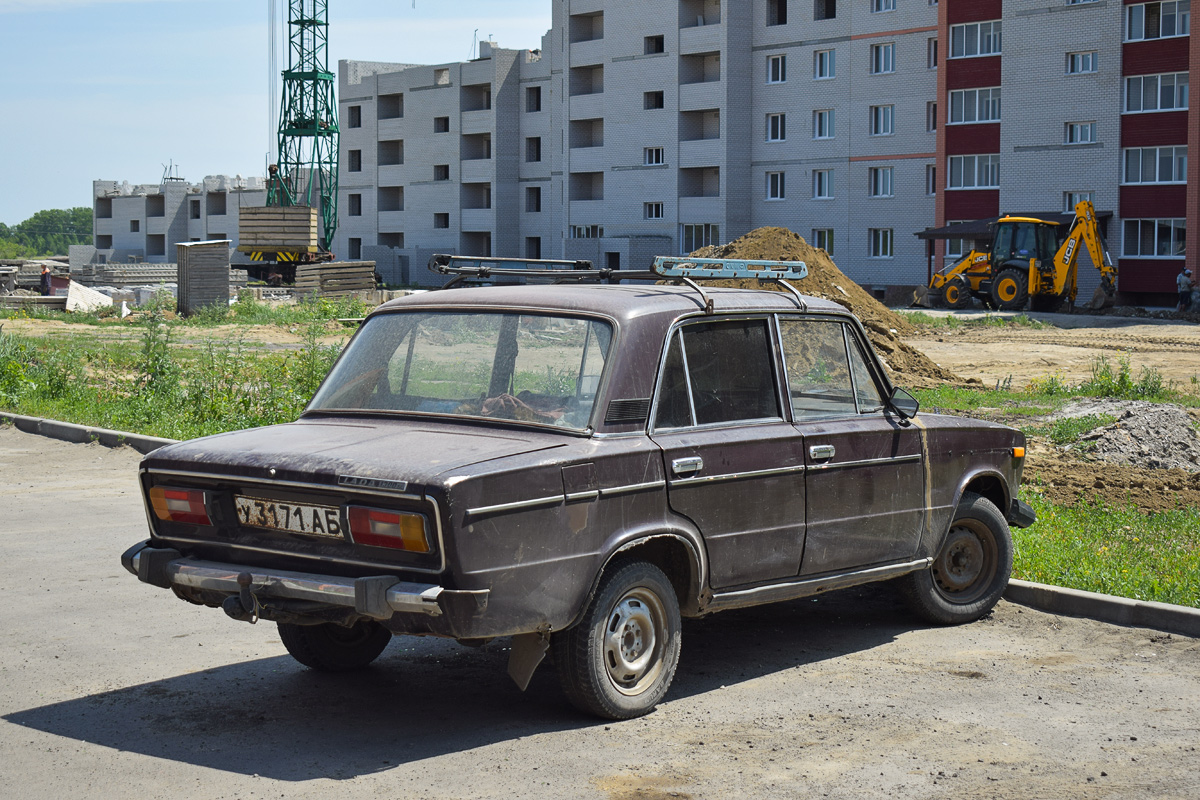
column 903, row 403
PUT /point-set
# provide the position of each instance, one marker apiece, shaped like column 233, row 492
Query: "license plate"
column 278, row 515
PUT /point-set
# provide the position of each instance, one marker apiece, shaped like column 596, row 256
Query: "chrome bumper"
column 376, row 596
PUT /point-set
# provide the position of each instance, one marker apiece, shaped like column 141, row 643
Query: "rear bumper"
column 378, row 597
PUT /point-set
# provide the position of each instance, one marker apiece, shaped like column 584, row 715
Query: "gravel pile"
column 1150, row 435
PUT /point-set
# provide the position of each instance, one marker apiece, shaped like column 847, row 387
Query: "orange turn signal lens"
column 1018, row 452
column 382, row 528
column 180, row 505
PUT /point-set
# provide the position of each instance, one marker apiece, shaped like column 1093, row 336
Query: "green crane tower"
column 307, row 170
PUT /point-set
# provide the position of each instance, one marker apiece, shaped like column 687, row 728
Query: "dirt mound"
column 885, row 327
column 1064, row 479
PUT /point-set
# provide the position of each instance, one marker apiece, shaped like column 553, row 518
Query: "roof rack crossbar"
column 688, row 269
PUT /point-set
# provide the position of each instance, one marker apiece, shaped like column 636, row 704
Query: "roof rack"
column 680, row 269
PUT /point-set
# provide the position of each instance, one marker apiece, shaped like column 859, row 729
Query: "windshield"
column 536, row 368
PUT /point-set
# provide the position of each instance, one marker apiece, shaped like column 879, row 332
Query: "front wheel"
column 619, row 660
column 335, row 648
column 956, row 294
column 970, row 572
column 1010, row 289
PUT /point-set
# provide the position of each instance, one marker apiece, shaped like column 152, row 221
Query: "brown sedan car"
column 578, row 467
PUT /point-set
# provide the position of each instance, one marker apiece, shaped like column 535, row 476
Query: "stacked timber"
column 270, row 229
column 203, row 275
column 335, row 278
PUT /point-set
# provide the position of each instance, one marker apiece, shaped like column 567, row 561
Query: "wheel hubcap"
column 966, row 565
column 632, row 643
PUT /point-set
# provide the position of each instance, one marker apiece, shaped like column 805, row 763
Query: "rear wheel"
column 955, row 294
column 334, row 648
column 970, row 572
column 1010, row 289
column 619, row 661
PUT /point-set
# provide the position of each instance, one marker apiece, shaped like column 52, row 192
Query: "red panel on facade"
column 972, row 203
column 967, row 73
column 973, row 139
column 1147, row 130
column 1148, row 275
column 961, row 11
column 1153, row 201
column 1156, row 55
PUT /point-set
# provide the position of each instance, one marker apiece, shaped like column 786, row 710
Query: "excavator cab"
column 1016, row 242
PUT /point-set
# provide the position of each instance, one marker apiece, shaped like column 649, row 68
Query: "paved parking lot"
column 109, row 688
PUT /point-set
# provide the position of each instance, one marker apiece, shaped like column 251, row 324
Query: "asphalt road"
column 111, row 689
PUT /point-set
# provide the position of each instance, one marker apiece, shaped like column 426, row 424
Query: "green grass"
column 1121, row 551
column 953, row 321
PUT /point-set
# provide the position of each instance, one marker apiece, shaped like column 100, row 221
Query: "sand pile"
column 909, row 366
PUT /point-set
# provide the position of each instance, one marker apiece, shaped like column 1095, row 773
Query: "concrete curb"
column 70, row 432
column 1105, row 607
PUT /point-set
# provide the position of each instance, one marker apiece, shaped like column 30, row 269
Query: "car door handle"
column 822, row 451
column 682, row 466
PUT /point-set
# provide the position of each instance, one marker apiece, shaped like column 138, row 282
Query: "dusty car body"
column 577, row 467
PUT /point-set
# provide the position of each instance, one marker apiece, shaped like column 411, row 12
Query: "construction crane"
column 302, row 183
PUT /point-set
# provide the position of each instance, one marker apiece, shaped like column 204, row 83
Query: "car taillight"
column 180, row 505
column 381, row 528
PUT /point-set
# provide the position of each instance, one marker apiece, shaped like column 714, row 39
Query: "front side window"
column 1155, row 238
column 528, row 368
column 975, row 105
column 975, row 172
column 1156, row 164
column 1167, row 92
column 827, row 372
column 1157, row 20
column 716, row 373
column 975, row 39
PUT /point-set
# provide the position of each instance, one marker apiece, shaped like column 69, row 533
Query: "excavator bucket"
column 922, row 297
column 1100, row 299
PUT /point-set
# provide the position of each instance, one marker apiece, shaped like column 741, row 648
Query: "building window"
column 355, row 248
column 822, row 238
column 930, row 179
column 441, row 220
column 653, row 156
column 651, row 100
column 1157, row 92
column 441, row 124
column 354, row 117
column 1079, row 2
column 354, row 205
column 824, row 9
column 441, row 172
column 824, row 64
column 974, row 105
column 1071, row 199
column 1155, row 238
column 776, row 188
column 653, row 45
column 879, row 6
column 390, row 106
column 533, row 99
column 1156, row 164
column 391, row 152
column 355, row 160
column 134, row 225
column 975, row 39
column 441, row 77
column 776, row 127
column 881, row 120
column 1157, row 20
column 975, row 172
column 880, row 242
column 931, row 52
column 533, row 149
column 1079, row 63
column 883, row 58
column 652, row 210
column 195, row 209
column 1080, row 133
column 776, row 69
column 823, row 123
column 777, row 12
column 693, row 237
column 931, row 118
column 587, row 231
column 533, row 199
column 533, row 247
column 879, row 180
column 822, row 184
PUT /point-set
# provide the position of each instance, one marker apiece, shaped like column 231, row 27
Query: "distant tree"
column 48, row 232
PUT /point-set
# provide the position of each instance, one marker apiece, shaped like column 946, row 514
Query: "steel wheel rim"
column 1006, row 290
column 967, row 563
column 634, row 641
column 952, row 294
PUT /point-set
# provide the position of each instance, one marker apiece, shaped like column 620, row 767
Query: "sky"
column 119, row 89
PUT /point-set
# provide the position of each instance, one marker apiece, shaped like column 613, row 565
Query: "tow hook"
column 242, row 606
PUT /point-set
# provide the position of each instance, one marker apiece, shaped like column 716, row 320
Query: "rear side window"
column 718, row 372
column 827, row 370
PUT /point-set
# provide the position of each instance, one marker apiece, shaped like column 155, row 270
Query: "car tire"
column 1010, row 289
column 969, row 572
column 620, row 658
column 335, row 648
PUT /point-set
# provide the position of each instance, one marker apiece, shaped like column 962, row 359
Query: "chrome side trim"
column 632, row 488
column 734, row 476
column 544, row 502
column 591, row 494
column 790, row 590
column 868, row 462
column 537, row 502
column 403, row 596
column 325, row 487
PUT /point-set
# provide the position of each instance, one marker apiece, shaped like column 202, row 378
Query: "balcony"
column 588, row 159
column 391, row 220
column 586, row 106
column 479, row 171
column 476, row 122
column 477, row 219
column 393, row 176
column 701, row 153
column 589, row 52
column 701, row 39
column 699, row 96
column 711, row 209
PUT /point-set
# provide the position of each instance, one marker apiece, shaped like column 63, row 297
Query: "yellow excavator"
column 1027, row 263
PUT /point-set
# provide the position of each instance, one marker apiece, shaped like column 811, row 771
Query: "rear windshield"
column 534, row 368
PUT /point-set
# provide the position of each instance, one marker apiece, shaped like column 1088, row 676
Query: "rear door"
column 865, row 475
column 734, row 466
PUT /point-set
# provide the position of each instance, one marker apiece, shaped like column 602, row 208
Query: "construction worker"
column 46, row 276
column 1183, row 281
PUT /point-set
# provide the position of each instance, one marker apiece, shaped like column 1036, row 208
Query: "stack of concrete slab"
column 203, row 275
column 335, row 278
column 272, row 229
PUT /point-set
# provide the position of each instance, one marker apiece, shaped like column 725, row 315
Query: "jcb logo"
column 1070, row 250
